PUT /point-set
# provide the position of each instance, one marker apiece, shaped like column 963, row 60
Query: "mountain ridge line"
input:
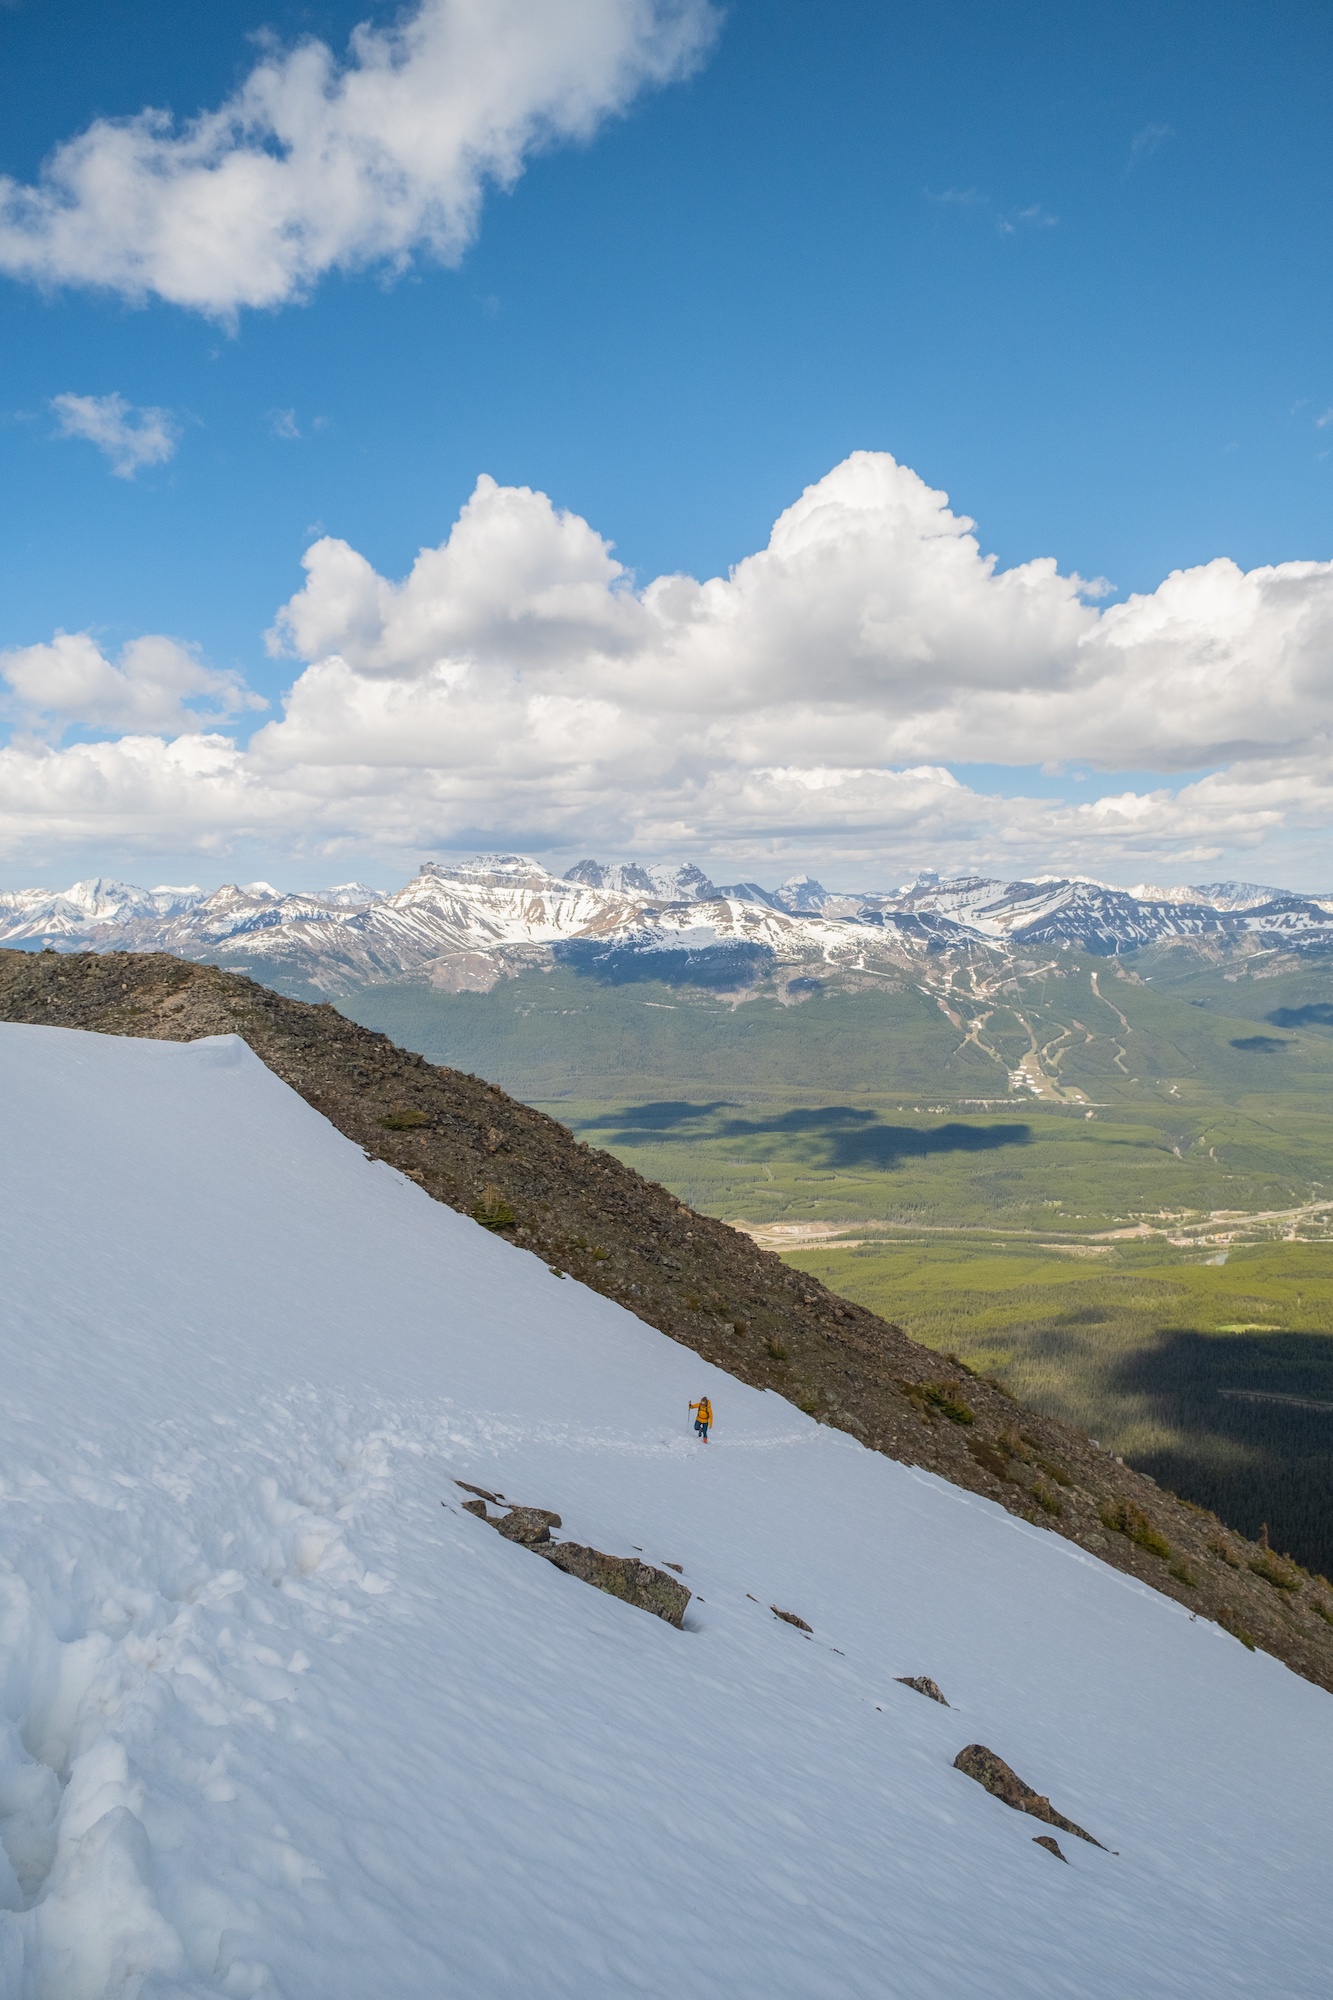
column 463, row 926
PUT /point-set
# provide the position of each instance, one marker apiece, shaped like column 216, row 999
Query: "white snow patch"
column 275, row 1722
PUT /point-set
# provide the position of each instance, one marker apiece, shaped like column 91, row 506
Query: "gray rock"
column 625, row 1577
column 976, row 1761
column 634, row 1582
column 923, row 1685
column 529, row 1525
column 496, row 1499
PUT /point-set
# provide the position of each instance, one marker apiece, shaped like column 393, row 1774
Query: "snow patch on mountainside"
column 274, row 1721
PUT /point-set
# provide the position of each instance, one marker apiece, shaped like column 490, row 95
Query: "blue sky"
column 1067, row 264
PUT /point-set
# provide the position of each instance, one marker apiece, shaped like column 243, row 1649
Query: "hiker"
column 703, row 1417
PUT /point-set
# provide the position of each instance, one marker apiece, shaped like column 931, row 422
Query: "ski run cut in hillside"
column 278, row 1722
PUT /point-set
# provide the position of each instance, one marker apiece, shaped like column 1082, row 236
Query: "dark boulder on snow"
column 1051, row 1844
column 976, row 1761
column 625, row 1577
column 790, row 1618
column 529, row 1525
column 923, row 1685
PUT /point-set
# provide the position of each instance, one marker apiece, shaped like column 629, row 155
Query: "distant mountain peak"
column 672, row 881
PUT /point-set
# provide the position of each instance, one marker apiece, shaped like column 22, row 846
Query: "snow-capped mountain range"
column 464, row 925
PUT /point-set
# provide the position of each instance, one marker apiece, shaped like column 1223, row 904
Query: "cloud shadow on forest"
column 1253, row 1421
column 1319, row 1014
column 666, row 1115
column 828, row 1135
column 717, row 968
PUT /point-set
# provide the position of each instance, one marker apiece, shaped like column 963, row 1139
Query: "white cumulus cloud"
column 139, row 793
column 872, row 625
column 155, row 684
column 519, row 687
column 315, row 165
column 129, row 435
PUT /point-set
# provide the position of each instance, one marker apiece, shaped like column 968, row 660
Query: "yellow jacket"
column 704, row 1409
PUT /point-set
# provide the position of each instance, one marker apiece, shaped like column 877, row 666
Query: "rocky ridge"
column 702, row 1283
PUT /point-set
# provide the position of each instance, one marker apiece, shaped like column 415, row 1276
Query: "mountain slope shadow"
column 1253, row 1421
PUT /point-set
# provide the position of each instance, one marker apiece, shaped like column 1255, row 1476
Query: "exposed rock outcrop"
column 529, row 1525
column 622, row 1576
column 976, row 1761
column 923, row 1685
column 625, row 1577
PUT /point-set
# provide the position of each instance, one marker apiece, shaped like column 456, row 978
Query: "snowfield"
column 274, row 1721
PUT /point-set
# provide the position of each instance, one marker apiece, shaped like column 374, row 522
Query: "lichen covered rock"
column 625, row 1577
column 923, row 1685
column 976, row 1761
column 530, row 1525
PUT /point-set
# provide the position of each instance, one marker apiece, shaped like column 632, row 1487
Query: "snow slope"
column 275, row 1722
